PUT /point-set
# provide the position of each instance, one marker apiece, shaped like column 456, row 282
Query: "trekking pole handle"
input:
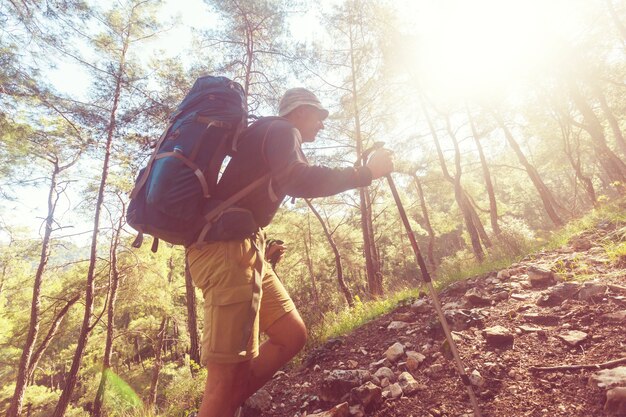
column 366, row 153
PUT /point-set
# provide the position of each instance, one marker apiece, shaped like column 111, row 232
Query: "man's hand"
column 380, row 163
column 274, row 251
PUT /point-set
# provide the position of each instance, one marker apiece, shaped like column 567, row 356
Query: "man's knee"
column 289, row 331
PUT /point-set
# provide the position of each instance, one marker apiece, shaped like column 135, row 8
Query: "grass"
column 464, row 266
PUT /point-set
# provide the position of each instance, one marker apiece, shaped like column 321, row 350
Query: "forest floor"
column 560, row 307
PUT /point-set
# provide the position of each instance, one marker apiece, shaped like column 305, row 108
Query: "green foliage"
column 348, row 319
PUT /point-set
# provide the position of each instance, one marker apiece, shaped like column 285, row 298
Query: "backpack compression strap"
column 214, row 214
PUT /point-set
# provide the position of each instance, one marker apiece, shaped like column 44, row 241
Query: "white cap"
column 296, row 97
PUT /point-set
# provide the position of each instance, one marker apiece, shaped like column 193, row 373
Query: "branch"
column 603, row 365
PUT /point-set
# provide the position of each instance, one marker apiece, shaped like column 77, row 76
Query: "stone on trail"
column 357, row 411
column 498, row 335
column 616, row 317
column 260, row 401
column 341, row 410
column 383, row 362
column 609, row 378
column 545, row 319
column 394, row 352
column 392, row 391
column 397, row 325
column 520, row 296
column 592, row 291
column 477, row 298
column 504, row 274
column 408, row 384
column 538, row 276
column 421, row 306
column 368, row 395
column 476, row 378
column 414, row 359
column 573, row 337
column 351, row 364
column 616, row 401
column 339, row 382
column 385, row 372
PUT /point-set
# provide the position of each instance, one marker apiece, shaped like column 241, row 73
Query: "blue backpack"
column 171, row 199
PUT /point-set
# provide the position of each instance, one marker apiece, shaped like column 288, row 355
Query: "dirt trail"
column 547, row 318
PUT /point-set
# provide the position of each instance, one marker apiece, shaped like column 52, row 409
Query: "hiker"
column 242, row 295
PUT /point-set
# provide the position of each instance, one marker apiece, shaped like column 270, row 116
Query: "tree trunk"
column 374, row 277
column 613, row 122
column 192, row 319
column 86, row 326
column 158, row 363
column 612, row 165
column 342, row 284
column 309, row 265
column 549, row 203
column 15, row 408
column 574, row 161
column 54, row 327
column 108, row 347
column 493, row 206
column 427, row 225
column 459, row 192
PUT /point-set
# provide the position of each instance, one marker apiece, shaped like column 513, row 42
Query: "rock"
column 580, row 244
column 351, row 364
column 501, row 296
column 463, row 319
column 317, row 368
column 617, row 317
column 385, row 372
column 357, row 411
column 520, row 296
column 397, row 325
column 421, row 306
column 339, row 382
column 413, row 361
column 539, row 277
column 504, row 274
column 573, row 337
column 498, row 335
column 406, row 317
column 341, row 410
column 616, row 401
column 592, row 291
column 545, row 319
column 477, row 298
column 609, row 378
column 392, row 391
column 383, row 362
column 530, row 329
column 408, row 384
column 559, row 293
column 394, row 352
column 260, row 400
column 368, row 395
column 434, row 369
column 476, row 378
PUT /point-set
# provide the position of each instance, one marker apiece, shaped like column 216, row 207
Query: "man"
column 242, row 295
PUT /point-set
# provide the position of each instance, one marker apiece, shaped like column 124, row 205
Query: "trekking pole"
column 433, row 294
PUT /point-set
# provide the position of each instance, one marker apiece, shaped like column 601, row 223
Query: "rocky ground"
column 506, row 324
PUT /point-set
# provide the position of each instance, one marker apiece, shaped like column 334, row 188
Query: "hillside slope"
column 560, row 307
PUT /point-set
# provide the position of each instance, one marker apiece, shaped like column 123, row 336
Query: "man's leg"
column 287, row 337
column 224, row 388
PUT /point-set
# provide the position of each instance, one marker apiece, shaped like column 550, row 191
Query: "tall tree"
column 61, row 154
column 125, row 27
column 338, row 267
column 549, row 202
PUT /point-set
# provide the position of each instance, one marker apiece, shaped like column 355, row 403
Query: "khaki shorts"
column 225, row 272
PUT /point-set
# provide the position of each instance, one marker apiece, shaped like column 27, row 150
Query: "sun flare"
column 480, row 47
